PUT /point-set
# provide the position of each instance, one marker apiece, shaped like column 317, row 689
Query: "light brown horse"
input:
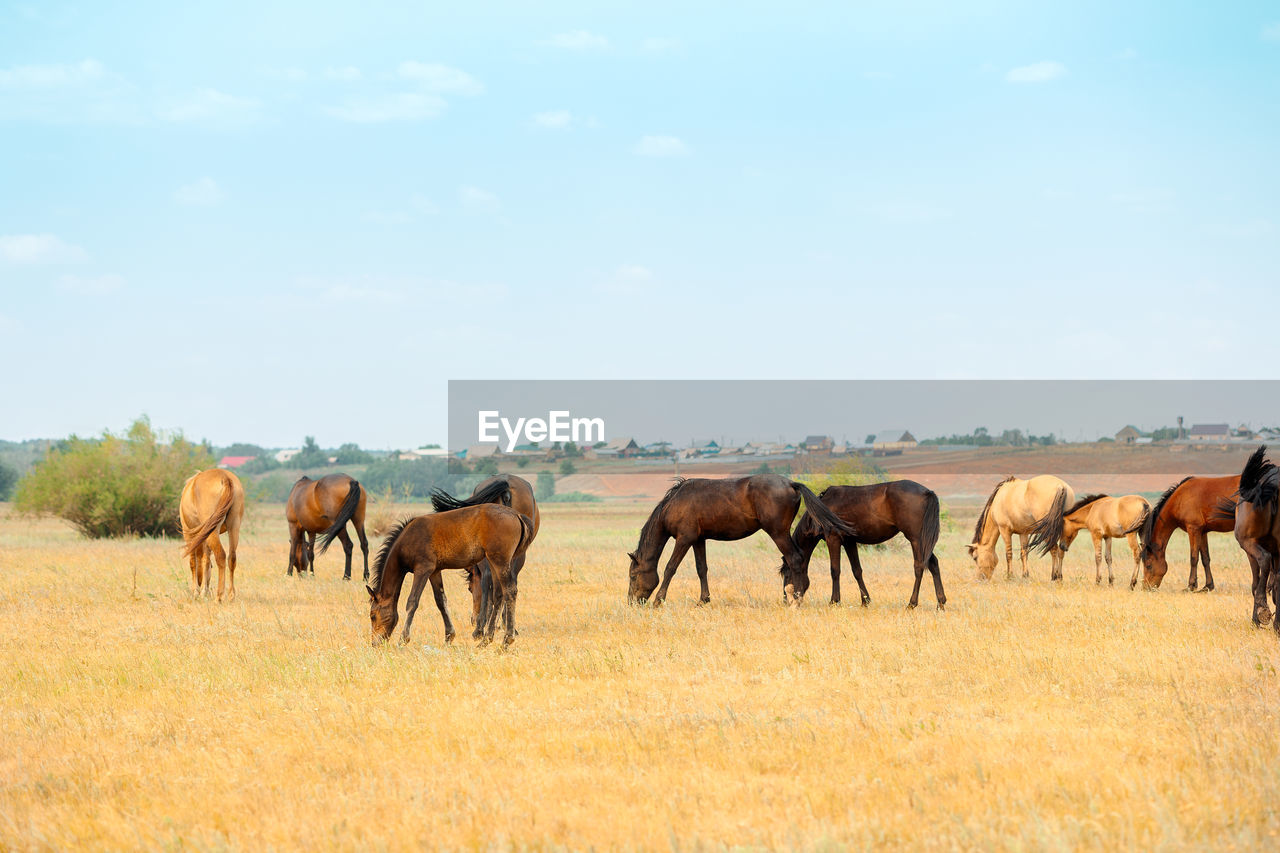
column 1034, row 508
column 212, row 502
column 1257, row 529
column 324, row 507
column 1195, row 505
column 429, row 544
column 1107, row 518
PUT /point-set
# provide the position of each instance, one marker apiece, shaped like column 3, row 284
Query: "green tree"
column 571, row 449
column 311, row 455
column 115, row 485
column 545, row 485
column 351, row 454
column 8, row 479
column 486, row 467
column 567, row 467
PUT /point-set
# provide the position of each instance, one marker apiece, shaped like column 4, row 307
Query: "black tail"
column 827, row 520
column 1258, row 483
column 1224, row 510
column 345, row 512
column 1047, row 532
column 499, row 491
column 1142, row 521
column 930, row 525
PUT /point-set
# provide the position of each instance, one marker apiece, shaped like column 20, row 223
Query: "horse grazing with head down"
column 324, row 507
column 1106, row 518
column 1196, row 505
column 212, row 502
column 878, row 513
column 693, row 511
column 1257, row 529
column 1034, row 508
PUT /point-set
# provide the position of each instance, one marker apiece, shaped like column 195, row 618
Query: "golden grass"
column 1026, row 716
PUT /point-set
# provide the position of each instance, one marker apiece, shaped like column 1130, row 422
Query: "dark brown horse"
column 1193, row 505
column 429, row 544
column 878, row 512
column 693, row 511
column 1257, row 527
column 511, row 491
column 324, row 507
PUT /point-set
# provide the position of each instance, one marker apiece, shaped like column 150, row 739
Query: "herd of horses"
column 488, row 534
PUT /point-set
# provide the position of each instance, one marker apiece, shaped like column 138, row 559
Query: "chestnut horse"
column 324, row 507
column 1107, row 518
column 429, row 544
column 1194, row 504
column 518, row 495
column 212, row 502
column 693, row 511
column 878, row 512
column 1257, row 529
column 1033, row 508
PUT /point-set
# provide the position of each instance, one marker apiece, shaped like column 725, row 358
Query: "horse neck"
column 990, row 532
column 1163, row 529
column 392, row 578
column 650, row 548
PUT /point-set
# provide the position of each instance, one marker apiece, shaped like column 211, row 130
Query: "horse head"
column 642, row 581
column 383, row 616
column 985, row 557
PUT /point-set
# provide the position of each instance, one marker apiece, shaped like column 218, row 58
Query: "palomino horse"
column 693, row 511
column 512, row 491
column 1107, row 518
column 324, row 507
column 429, row 544
column 212, row 502
column 1257, row 528
column 878, row 512
column 1030, row 508
column 1195, row 504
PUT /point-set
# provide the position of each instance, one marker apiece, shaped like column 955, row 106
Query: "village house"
column 1209, row 432
column 1128, row 435
column 234, row 461
column 892, row 442
column 817, row 444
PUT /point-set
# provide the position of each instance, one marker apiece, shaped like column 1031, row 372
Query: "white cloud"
column 1036, row 72
column 478, row 200
column 203, row 192
column 347, row 73
column 442, row 79
column 661, row 146
column 1271, row 32
column 51, row 76
column 402, row 106
column 578, row 40
column 211, row 106
column 659, row 44
column 38, row 249
column 553, row 119
column 93, row 285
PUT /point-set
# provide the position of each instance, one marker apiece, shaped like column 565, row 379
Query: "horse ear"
column 372, row 594
column 973, row 549
column 632, row 555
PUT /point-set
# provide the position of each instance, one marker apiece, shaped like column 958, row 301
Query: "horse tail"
column 1224, row 510
column 526, row 531
column 345, row 512
column 1142, row 520
column 499, row 491
column 215, row 519
column 930, row 525
column 1047, row 532
column 827, row 521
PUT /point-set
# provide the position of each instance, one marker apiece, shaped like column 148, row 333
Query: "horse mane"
column 982, row 516
column 380, row 562
column 1149, row 528
column 649, row 532
column 1258, row 482
column 1084, row 502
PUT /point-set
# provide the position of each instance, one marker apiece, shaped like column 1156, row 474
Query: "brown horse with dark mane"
column 878, row 512
column 693, row 511
column 1257, row 528
column 1193, row 504
column 324, row 507
column 516, row 493
column 428, row 545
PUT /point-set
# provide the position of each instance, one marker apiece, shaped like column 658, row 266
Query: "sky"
column 255, row 222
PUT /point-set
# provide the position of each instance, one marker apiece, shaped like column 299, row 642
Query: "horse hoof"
column 911, row 605
column 448, row 638
column 866, row 601
column 942, row 606
column 507, row 641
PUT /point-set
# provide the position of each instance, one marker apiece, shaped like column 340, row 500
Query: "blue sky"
column 262, row 221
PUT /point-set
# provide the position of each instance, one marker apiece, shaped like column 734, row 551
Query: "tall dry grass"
column 1027, row 715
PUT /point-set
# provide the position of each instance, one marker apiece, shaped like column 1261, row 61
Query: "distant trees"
column 567, row 467
column 545, row 485
column 8, row 479
column 351, row 454
column 311, row 456
column 981, row 437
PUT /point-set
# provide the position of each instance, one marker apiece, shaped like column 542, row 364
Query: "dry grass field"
column 1026, row 716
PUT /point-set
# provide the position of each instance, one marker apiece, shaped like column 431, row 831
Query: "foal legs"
column 421, row 573
column 1111, row 577
column 1136, row 548
column 1097, row 557
column 442, row 604
column 1204, row 556
column 1194, row 536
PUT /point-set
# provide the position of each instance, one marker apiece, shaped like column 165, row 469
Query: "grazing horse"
column 1257, row 529
column 324, row 507
column 1034, row 508
column 1107, row 518
column 1194, row 504
column 429, row 544
column 511, row 491
column 693, row 511
column 212, row 502
column 878, row 512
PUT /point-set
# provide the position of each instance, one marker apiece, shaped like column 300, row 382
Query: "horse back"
column 1021, row 503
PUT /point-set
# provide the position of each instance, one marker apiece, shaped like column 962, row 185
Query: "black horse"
column 1257, row 527
column 693, row 511
column 878, row 513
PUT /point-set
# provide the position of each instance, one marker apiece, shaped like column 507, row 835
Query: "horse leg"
column 364, row 548
column 936, row 571
column 495, row 585
column 421, row 574
column 294, row 535
column 207, row 567
column 918, row 562
column 347, row 548
column 1008, row 553
column 1260, row 568
column 1193, row 535
column 833, row 549
column 1022, row 553
column 509, row 605
column 855, row 566
column 700, row 560
column 233, row 542
column 1204, row 558
column 442, row 604
column 221, row 557
column 311, row 552
column 1111, row 575
column 677, row 554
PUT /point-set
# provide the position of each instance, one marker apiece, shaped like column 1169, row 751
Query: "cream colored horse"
column 1107, row 518
column 1032, row 508
column 212, row 503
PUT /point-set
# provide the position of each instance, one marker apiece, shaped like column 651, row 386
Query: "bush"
column 114, row 486
column 486, row 467
column 567, row 467
column 572, row 497
column 414, row 478
column 351, row 454
column 846, row 472
column 8, row 478
column 545, row 486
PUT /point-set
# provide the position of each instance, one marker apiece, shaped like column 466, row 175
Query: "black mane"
column 1148, row 529
column 650, row 532
column 380, row 561
column 1084, row 502
column 982, row 516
